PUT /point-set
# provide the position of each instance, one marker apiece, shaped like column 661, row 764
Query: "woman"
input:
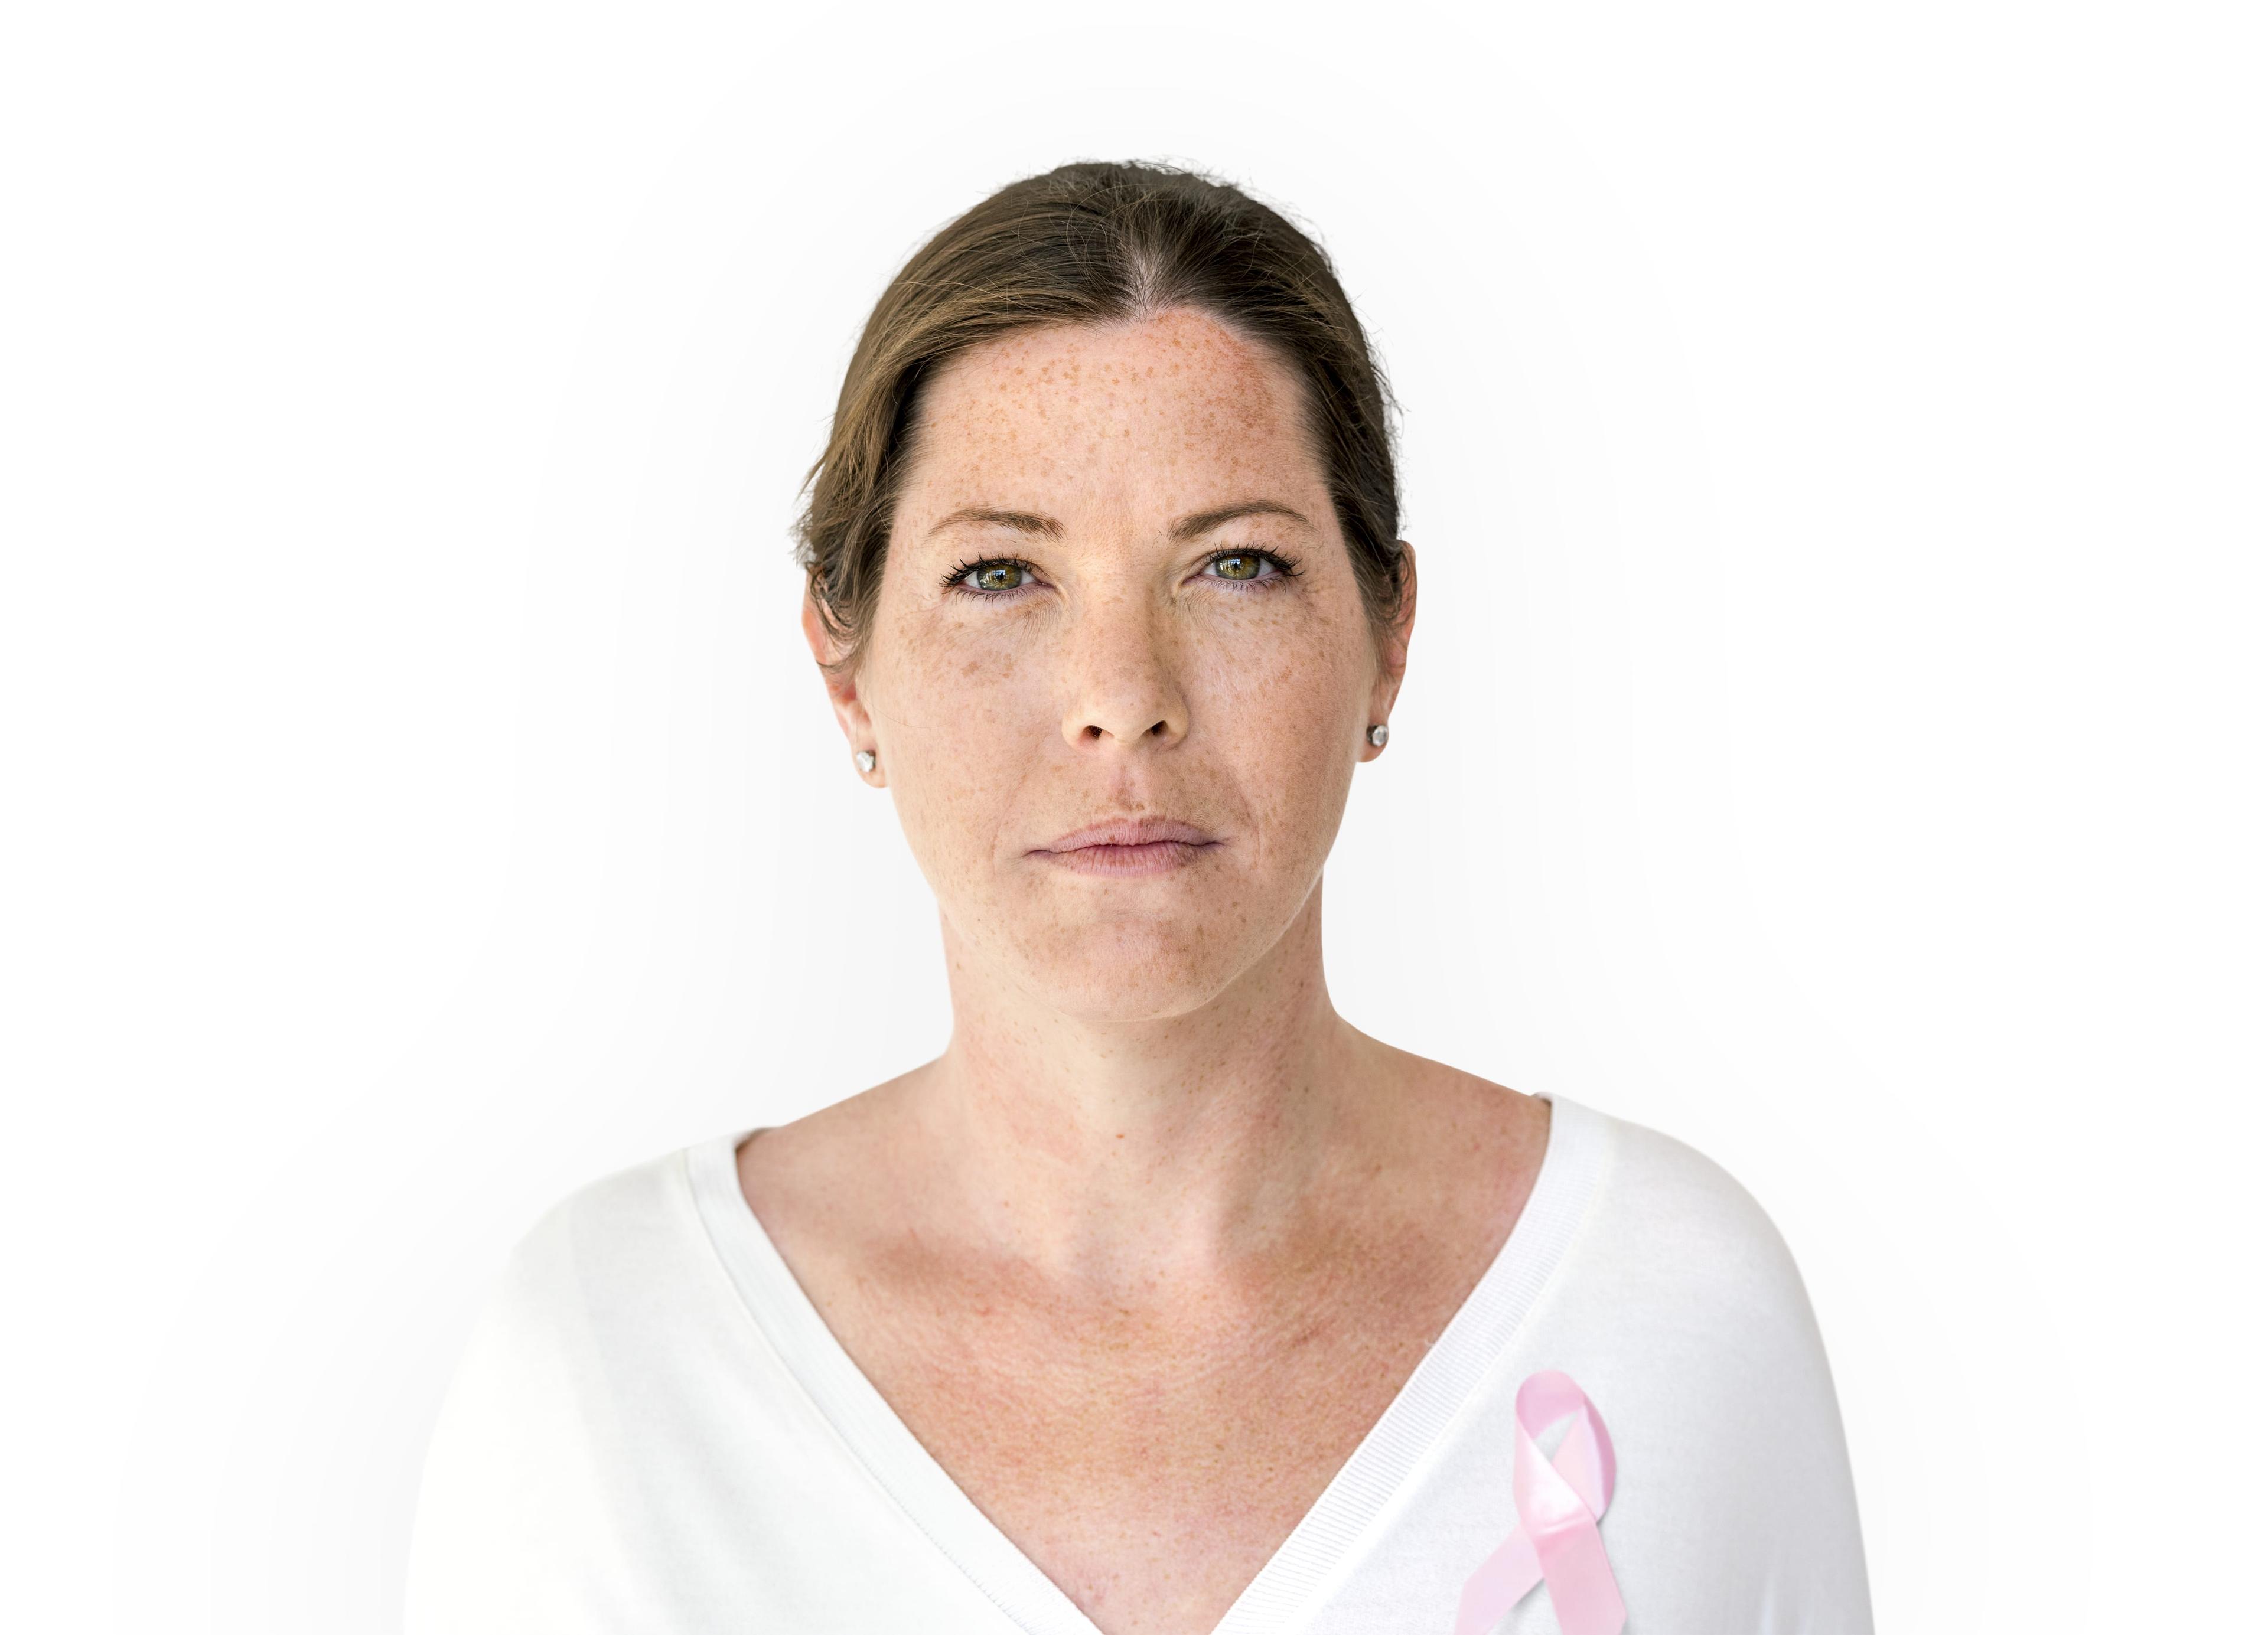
column 1163, row 1301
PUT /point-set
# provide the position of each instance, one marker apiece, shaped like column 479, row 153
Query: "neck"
column 1116, row 1152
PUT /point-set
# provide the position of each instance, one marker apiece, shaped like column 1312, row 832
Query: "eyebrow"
column 1205, row 522
column 1190, row 527
column 1020, row 522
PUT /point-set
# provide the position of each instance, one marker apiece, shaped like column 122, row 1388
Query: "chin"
column 1144, row 971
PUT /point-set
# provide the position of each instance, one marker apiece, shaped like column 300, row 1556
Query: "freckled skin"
column 1143, row 1255
column 1124, row 680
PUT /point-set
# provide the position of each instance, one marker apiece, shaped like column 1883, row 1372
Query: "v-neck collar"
column 1308, row 1562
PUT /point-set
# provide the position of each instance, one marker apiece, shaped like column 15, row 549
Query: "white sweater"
column 653, row 1431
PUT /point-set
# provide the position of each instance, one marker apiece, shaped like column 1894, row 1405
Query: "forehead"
column 1174, row 400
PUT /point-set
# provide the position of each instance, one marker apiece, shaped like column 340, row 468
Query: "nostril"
column 1096, row 732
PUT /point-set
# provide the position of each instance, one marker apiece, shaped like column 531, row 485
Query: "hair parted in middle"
column 1091, row 244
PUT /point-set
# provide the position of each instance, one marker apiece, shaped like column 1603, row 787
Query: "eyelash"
column 1286, row 567
column 954, row 580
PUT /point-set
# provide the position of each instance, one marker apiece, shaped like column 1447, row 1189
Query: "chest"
column 1149, row 1459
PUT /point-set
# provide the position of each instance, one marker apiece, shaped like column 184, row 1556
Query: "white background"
column 1835, row 436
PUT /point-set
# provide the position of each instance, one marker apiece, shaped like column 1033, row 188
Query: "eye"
column 994, row 575
column 1246, row 566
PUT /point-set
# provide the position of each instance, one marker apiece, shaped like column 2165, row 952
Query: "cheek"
column 960, row 721
column 964, row 691
column 1281, row 707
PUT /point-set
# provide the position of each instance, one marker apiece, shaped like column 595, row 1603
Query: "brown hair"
column 1085, row 244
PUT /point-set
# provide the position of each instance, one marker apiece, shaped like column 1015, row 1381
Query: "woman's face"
column 1120, row 670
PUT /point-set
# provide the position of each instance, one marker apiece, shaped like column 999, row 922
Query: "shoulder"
column 1663, row 1189
column 601, row 1247
column 615, row 1288
column 590, row 1328
column 1681, row 1246
column 1681, row 1310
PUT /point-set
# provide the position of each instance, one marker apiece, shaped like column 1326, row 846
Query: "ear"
column 842, row 688
column 1394, row 648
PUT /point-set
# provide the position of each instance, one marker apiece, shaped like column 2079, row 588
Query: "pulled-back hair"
column 1086, row 243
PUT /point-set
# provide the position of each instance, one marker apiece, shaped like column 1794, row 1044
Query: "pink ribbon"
column 1560, row 1501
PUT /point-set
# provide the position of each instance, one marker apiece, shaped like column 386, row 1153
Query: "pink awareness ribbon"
column 1559, row 1501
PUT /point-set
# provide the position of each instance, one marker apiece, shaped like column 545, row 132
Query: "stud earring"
column 866, row 759
column 1378, row 736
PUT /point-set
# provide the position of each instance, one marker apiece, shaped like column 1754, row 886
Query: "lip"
column 1129, row 846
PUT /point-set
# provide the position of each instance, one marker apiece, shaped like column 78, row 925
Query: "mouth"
column 1139, row 845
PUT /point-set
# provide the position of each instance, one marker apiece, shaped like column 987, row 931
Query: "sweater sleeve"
column 1736, row 1508
column 494, row 1549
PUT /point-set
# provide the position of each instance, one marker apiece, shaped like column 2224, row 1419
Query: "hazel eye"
column 998, row 577
column 1239, row 565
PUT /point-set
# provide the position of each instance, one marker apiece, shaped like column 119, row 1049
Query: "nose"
column 1123, row 686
